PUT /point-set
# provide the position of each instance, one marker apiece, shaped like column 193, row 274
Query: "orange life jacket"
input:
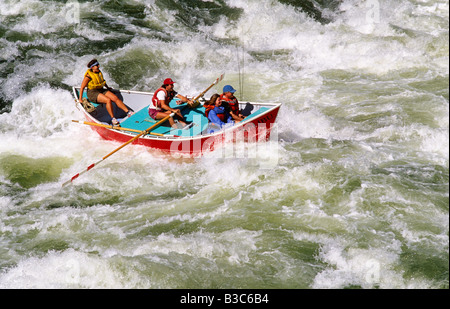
column 155, row 101
column 232, row 103
column 208, row 108
column 220, row 113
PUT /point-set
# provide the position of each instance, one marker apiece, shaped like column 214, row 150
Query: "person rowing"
column 159, row 106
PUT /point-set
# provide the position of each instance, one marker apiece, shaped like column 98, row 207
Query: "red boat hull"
column 257, row 130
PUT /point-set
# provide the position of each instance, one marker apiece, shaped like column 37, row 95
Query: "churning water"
column 358, row 196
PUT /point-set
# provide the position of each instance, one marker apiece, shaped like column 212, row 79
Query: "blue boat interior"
column 140, row 120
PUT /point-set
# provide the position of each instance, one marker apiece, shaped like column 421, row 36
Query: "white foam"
column 287, row 59
column 92, row 34
column 44, row 113
column 18, row 7
column 40, row 17
column 234, row 246
column 353, row 41
column 368, row 268
column 69, row 269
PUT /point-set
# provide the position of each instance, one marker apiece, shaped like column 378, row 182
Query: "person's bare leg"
column 116, row 100
column 162, row 115
column 105, row 100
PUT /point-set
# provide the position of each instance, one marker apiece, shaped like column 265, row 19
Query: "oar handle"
column 113, row 127
column 140, row 134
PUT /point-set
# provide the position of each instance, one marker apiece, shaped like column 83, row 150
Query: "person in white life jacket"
column 99, row 92
column 216, row 113
column 159, row 105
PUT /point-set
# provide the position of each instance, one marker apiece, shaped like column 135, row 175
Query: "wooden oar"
column 117, row 149
column 113, row 127
column 195, row 100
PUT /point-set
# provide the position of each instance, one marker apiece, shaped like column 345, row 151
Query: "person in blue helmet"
column 232, row 102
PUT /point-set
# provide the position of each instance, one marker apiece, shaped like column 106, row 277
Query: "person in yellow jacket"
column 99, row 92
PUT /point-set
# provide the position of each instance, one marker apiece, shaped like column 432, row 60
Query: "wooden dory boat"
column 197, row 138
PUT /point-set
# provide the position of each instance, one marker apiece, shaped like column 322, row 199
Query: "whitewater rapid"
column 358, row 194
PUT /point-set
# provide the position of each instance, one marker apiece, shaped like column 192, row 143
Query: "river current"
column 356, row 191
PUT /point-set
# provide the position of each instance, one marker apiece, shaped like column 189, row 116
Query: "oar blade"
column 195, row 101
